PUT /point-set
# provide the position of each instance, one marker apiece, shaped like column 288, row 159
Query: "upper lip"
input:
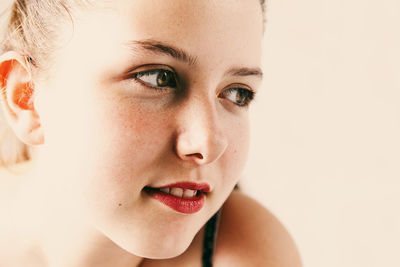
column 188, row 185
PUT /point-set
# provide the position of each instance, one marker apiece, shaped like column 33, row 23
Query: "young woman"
column 138, row 115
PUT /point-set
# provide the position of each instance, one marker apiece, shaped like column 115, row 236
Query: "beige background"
column 326, row 127
column 326, row 131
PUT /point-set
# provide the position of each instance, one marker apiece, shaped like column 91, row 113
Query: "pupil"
column 241, row 96
column 163, row 79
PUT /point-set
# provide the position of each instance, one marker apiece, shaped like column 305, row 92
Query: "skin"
column 103, row 135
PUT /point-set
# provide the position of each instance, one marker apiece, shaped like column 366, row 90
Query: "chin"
column 165, row 253
column 155, row 246
column 157, row 249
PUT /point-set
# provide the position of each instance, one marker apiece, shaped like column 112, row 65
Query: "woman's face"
column 145, row 94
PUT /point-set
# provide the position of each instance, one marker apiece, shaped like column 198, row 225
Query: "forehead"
column 192, row 21
column 216, row 32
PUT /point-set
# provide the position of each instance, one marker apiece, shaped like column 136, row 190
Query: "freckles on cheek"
column 137, row 127
column 236, row 153
column 133, row 137
column 126, row 153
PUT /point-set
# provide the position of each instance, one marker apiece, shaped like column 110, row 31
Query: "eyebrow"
column 242, row 72
column 181, row 55
column 163, row 48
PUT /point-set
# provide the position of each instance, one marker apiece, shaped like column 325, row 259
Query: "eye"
column 239, row 96
column 157, row 78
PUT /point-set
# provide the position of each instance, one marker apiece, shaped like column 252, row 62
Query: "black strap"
column 209, row 240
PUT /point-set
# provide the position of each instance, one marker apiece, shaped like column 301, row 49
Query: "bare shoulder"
column 250, row 235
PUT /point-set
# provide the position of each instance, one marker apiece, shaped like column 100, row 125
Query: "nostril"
column 197, row 155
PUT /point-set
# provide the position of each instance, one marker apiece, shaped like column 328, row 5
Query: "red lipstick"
column 184, row 197
column 188, row 185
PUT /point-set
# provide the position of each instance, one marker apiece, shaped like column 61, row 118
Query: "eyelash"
column 247, row 93
column 138, row 75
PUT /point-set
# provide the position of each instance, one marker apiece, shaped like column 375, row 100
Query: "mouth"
column 185, row 197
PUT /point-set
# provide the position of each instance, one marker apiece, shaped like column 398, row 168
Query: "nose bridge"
column 201, row 137
column 204, row 116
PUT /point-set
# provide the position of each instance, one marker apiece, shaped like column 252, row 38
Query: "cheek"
column 130, row 140
column 128, row 144
column 104, row 145
column 238, row 132
column 239, row 141
column 234, row 159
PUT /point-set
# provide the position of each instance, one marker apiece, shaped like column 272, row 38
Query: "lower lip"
column 183, row 205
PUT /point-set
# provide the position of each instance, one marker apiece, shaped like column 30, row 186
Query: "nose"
column 200, row 138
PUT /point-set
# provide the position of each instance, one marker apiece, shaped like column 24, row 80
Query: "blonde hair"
column 32, row 31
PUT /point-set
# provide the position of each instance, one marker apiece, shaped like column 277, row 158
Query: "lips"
column 183, row 197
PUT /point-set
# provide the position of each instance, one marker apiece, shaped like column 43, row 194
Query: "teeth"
column 178, row 192
column 165, row 190
column 189, row 193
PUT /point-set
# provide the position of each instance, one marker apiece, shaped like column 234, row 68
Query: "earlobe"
column 17, row 98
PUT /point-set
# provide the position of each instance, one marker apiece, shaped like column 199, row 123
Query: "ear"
column 17, row 98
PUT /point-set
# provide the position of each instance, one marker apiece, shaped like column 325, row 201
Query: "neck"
column 53, row 234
